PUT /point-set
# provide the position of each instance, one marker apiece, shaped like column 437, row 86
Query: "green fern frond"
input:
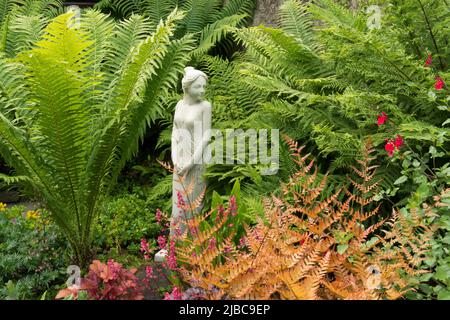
column 296, row 20
column 215, row 32
column 157, row 10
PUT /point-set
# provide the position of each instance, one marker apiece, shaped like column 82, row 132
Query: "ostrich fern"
column 325, row 76
column 78, row 107
column 22, row 22
column 208, row 20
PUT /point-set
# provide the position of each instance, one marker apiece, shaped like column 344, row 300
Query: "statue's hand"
column 185, row 169
column 177, row 169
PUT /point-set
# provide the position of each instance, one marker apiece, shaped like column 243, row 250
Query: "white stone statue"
column 190, row 136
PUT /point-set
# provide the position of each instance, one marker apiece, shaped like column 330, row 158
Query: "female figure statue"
column 190, row 136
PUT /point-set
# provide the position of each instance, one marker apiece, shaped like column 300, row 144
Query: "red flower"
column 439, row 83
column 382, row 118
column 398, row 141
column 428, row 61
column 389, row 147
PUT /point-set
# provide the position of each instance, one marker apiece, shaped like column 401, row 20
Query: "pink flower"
column 398, row 141
column 193, row 230
column 220, row 213
column 175, row 295
column 242, row 242
column 439, row 83
column 176, row 227
column 180, row 200
column 389, row 147
column 158, row 216
column 149, row 272
column 161, row 242
column 257, row 235
column 171, row 260
column 144, row 245
column 233, row 206
column 428, row 61
column 382, row 118
column 212, row 243
column 227, row 249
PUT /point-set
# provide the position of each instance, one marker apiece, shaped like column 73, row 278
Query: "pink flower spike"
column 212, row 243
column 161, row 242
column 149, row 272
column 175, row 295
column 180, row 200
column 233, row 205
column 220, row 212
column 171, row 260
column 167, row 296
column 158, row 216
column 144, row 245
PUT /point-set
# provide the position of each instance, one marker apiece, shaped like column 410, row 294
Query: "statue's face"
column 197, row 89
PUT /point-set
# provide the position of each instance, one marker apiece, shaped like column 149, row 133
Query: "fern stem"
column 187, row 197
column 262, row 244
column 431, row 34
column 392, row 64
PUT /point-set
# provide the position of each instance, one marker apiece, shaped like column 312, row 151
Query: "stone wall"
column 266, row 12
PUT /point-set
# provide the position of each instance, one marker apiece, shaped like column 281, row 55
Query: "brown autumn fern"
column 311, row 245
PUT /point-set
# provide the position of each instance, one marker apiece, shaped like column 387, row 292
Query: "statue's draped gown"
column 193, row 176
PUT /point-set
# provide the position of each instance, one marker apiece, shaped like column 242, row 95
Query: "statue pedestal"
column 161, row 255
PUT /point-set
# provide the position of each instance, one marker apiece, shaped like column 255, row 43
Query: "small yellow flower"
column 2, row 206
column 32, row 214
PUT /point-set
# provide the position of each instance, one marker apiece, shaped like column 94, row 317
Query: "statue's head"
column 194, row 83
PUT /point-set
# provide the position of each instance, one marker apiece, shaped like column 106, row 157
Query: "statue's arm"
column 206, row 134
column 174, row 143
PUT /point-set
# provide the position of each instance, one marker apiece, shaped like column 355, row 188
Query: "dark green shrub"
column 124, row 221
